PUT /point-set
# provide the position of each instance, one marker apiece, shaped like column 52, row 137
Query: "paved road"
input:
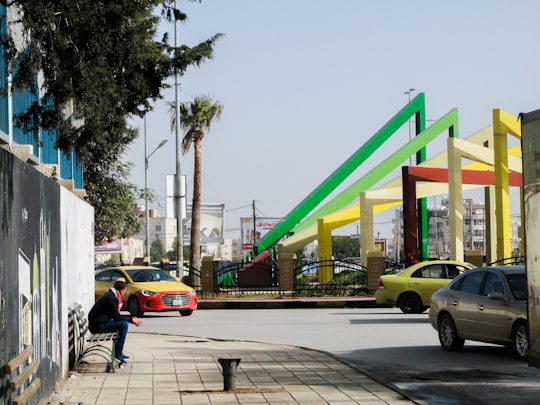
column 402, row 349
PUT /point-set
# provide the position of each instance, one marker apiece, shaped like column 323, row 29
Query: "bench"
column 18, row 380
column 83, row 343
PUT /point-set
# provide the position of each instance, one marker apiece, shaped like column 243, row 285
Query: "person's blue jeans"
column 116, row 326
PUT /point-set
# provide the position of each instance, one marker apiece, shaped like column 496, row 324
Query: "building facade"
column 165, row 229
column 37, row 149
column 474, row 230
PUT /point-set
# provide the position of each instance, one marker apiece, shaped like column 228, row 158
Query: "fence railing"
column 349, row 278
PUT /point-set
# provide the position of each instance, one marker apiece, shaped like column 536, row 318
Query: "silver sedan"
column 487, row 304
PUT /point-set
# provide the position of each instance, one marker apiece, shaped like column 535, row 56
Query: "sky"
column 304, row 83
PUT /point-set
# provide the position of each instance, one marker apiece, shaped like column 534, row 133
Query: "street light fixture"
column 408, row 92
column 146, row 158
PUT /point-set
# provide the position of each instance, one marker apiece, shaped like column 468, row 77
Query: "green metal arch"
column 416, row 107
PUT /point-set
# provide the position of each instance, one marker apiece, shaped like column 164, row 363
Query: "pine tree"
column 103, row 59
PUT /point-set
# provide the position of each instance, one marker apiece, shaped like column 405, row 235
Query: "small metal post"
column 229, row 373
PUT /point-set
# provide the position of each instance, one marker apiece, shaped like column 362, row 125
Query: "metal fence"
column 245, row 279
column 251, row 279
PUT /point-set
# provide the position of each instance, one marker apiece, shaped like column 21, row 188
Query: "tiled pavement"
column 165, row 369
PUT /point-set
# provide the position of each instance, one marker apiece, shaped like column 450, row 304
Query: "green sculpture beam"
column 416, row 108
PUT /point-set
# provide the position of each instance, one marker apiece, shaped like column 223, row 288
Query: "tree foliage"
column 345, row 246
column 157, row 251
column 172, row 255
column 99, row 64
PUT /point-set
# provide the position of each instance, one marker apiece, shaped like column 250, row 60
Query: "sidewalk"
column 166, row 369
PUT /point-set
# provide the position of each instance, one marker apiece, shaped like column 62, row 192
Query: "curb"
column 286, row 303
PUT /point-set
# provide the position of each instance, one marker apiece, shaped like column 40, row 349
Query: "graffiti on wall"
column 44, row 286
column 38, row 295
column 29, row 266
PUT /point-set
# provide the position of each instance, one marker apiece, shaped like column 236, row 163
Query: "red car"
column 149, row 289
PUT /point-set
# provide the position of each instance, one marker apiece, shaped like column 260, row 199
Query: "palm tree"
column 196, row 118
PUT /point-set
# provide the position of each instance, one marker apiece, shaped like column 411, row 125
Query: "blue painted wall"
column 44, row 150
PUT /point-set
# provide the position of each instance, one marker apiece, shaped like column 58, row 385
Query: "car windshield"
column 518, row 284
column 148, row 275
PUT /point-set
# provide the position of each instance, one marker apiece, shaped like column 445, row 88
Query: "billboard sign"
column 211, row 224
column 380, row 245
column 251, row 234
column 109, row 248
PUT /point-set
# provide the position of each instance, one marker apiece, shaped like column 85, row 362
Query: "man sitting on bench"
column 105, row 317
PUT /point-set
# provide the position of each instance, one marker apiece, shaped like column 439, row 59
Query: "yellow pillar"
column 502, row 196
column 490, row 236
column 455, row 201
column 367, row 231
column 491, row 220
column 324, row 235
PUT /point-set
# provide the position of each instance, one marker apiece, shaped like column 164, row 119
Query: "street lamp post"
column 408, row 92
column 179, row 197
column 146, row 158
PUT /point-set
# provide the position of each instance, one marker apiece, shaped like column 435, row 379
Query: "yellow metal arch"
column 503, row 124
column 389, row 196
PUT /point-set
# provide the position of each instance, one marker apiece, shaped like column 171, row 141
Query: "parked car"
column 488, row 304
column 149, row 289
column 411, row 288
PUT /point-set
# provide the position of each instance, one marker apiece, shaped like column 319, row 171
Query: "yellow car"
column 149, row 289
column 411, row 289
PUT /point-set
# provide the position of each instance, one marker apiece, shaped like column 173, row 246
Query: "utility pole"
column 147, row 211
column 179, row 191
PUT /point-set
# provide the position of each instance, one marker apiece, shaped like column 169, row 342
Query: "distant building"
column 230, row 249
column 474, row 225
column 161, row 228
column 129, row 249
column 165, row 229
column 439, row 230
column 474, row 230
column 515, row 235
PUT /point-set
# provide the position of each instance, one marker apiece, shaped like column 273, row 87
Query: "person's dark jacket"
column 104, row 310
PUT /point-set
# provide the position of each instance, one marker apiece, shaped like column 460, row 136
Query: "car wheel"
column 448, row 335
column 134, row 307
column 410, row 303
column 520, row 339
column 186, row 312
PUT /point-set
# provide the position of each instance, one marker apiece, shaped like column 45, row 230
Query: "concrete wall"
column 530, row 142
column 46, row 265
column 77, row 258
